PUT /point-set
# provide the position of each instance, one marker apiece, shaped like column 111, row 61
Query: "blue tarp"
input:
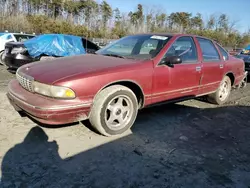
column 248, row 47
column 58, row 45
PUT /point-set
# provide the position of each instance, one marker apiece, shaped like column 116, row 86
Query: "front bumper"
column 47, row 110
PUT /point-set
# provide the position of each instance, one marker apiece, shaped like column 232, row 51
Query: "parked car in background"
column 12, row 37
column 235, row 51
column 245, row 56
column 44, row 47
column 109, row 87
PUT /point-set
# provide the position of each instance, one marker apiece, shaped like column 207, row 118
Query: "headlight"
column 19, row 50
column 53, row 91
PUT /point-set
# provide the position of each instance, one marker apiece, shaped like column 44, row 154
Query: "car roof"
column 170, row 35
column 22, row 34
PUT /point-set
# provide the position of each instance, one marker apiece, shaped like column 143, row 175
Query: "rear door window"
column 209, row 51
column 223, row 52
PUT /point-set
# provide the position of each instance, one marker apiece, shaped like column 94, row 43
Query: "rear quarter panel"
column 88, row 85
column 237, row 67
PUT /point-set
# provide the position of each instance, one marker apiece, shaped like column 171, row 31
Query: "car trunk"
column 10, row 45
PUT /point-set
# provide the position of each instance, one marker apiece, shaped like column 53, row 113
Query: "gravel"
column 188, row 144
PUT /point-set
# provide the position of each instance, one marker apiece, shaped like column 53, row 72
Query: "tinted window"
column 185, row 48
column 209, row 52
column 223, row 52
column 89, row 46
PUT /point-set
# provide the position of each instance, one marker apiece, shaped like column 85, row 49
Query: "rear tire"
column 114, row 110
column 223, row 92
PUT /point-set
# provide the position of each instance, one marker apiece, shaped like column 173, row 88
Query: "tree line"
column 90, row 19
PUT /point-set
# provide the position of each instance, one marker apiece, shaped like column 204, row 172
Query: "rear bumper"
column 242, row 80
column 16, row 61
column 46, row 110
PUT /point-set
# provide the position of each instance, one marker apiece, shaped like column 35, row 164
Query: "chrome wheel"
column 119, row 112
column 224, row 90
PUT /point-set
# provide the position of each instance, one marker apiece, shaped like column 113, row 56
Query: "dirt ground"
column 189, row 144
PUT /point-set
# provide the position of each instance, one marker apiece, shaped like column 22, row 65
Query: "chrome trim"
column 25, row 81
column 184, row 89
column 203, row 94
column 51, row 108
column 188, row 91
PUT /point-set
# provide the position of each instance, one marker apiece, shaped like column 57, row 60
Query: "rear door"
column 181, row 80
column 212, row 66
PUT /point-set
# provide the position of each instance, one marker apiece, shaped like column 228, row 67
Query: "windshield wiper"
column 114, row 55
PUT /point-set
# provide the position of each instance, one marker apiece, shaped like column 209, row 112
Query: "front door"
column 182, row 79
column 212, row 66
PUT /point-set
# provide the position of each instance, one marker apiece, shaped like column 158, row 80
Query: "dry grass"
column 15, row 24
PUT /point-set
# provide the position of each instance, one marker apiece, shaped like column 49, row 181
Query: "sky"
column 237, row 10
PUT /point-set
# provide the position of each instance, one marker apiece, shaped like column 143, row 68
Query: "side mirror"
column 170, row 61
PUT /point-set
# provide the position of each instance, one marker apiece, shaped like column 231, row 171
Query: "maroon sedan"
column 136, row 71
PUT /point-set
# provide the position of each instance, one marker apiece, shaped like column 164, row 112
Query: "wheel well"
column 231, row 76
column 135, row 88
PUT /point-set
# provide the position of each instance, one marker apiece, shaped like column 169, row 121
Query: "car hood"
column 51, row 71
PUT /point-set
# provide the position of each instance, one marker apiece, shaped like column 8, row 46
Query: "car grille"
column 25, row 81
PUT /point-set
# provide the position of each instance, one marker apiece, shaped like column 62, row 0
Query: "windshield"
column 136, row 47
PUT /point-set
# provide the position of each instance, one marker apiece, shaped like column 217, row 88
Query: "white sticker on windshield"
column 159, row 37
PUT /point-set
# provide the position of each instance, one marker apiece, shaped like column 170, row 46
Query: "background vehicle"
column 45, row 47
column 235, row 51
column 12, row 37
column 245, row 55
column 109, row 87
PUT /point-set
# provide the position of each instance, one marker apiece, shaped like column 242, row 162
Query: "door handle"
column 221, row 66
column 198, row 69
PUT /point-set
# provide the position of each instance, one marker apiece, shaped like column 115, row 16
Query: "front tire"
column 114, row 110
column 223, row 92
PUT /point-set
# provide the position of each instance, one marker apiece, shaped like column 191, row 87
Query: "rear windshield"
column 22, row 38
